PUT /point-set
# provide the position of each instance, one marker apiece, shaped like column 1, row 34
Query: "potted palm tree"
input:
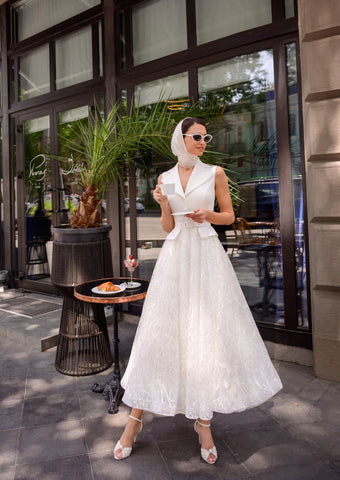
column 82, row 251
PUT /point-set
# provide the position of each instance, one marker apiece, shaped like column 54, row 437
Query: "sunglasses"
column 197, row 137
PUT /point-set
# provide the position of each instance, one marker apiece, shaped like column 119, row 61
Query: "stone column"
column 319, row 26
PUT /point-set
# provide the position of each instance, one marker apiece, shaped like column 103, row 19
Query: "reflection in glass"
column 1, row 206
column 33, row 16
column 150, row 234
column 244, row 88
column 100, row 44
column 294, row 139
column 34, row 73
column 159, row 28
column 122, row 39
column 219, row 19
column 74, row 58
column 70, row 168
column 38, row 197
column 172, row 87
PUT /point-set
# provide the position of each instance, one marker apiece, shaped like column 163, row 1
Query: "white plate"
column 132, row 285
column 96, row 290
column 182, row 213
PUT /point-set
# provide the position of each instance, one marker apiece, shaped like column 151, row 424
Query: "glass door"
column 48, row 187
column 35, row 182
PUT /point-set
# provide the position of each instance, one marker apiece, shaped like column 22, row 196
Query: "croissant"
column 108, row 287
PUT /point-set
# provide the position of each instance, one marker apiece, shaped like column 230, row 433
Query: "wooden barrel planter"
column 80, row 255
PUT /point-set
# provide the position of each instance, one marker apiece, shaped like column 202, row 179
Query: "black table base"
column 112, row 390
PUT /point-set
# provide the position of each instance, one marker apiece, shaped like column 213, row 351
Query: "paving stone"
column 324, row 438
column 184, row 461
column 50, row 442
column 11, row 416
column 7, row 473
column 51, row 409
column 8, row 447
column 267, row 448
column 11, row 390
column 247, row 420
column 294, row 377
column 92, row 405
column 157, row 428
column 329, row 405
column 290, row 408
column 50, row 384
column 310, row 471
column 68, row 469
column 103, row 432
column 315, row 390
column 145, row 463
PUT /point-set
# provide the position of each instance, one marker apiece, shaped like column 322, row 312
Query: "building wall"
column 319, row 25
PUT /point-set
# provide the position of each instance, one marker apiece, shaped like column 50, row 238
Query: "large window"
column 219, row 18
column 172, row 87
column 245, row 88
column 159, row 29
column 150, row 235
column 34, row 16
column 74, row 58
column 64, row 61
column 34, row 73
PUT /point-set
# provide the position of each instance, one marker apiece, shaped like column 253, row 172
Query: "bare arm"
column 226, row 214
column 167, row 220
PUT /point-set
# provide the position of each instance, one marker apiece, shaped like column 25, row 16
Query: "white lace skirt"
column 197, row 349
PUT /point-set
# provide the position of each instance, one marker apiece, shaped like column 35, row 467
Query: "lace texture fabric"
column 197, row 349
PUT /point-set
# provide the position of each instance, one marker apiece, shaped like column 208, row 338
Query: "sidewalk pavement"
column 52, row 427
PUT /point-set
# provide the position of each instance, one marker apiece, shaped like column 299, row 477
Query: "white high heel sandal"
column 126, row 451
column 204, row 452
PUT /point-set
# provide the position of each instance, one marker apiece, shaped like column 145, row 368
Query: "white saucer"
column 182, row 213
column 96, row 290
column 131, row 285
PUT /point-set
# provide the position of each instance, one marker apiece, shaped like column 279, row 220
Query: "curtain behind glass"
column 220, row 18
column 159, row 28
column 74, row 58
column 174, row 86
column 34, row 16
column 289, row 8
column 34, row 73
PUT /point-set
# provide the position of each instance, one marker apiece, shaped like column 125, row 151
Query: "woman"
column 197, row 349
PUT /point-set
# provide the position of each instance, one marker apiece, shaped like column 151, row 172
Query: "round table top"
column 84, row 291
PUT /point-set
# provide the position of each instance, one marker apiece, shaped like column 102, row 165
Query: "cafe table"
column 88, row 292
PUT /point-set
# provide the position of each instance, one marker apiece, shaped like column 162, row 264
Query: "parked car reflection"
column 139, row 206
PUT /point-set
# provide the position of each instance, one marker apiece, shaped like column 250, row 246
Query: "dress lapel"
column 200, row 175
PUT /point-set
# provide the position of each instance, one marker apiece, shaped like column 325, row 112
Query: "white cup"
column 168, row 188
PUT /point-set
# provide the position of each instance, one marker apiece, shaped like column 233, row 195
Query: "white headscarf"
column 185, row 159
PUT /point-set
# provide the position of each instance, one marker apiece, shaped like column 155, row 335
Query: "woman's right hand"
column 157, row 195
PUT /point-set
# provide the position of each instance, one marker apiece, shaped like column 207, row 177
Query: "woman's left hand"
column 199, row 215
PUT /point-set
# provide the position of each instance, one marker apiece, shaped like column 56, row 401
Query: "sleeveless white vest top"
column 199, row 193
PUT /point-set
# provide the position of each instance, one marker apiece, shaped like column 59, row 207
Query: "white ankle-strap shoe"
column 206, row 452
column 126, row 451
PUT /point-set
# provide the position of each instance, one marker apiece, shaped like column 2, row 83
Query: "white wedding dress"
column 197, row 349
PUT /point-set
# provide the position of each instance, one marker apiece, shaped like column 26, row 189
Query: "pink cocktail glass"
column 131, row 266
